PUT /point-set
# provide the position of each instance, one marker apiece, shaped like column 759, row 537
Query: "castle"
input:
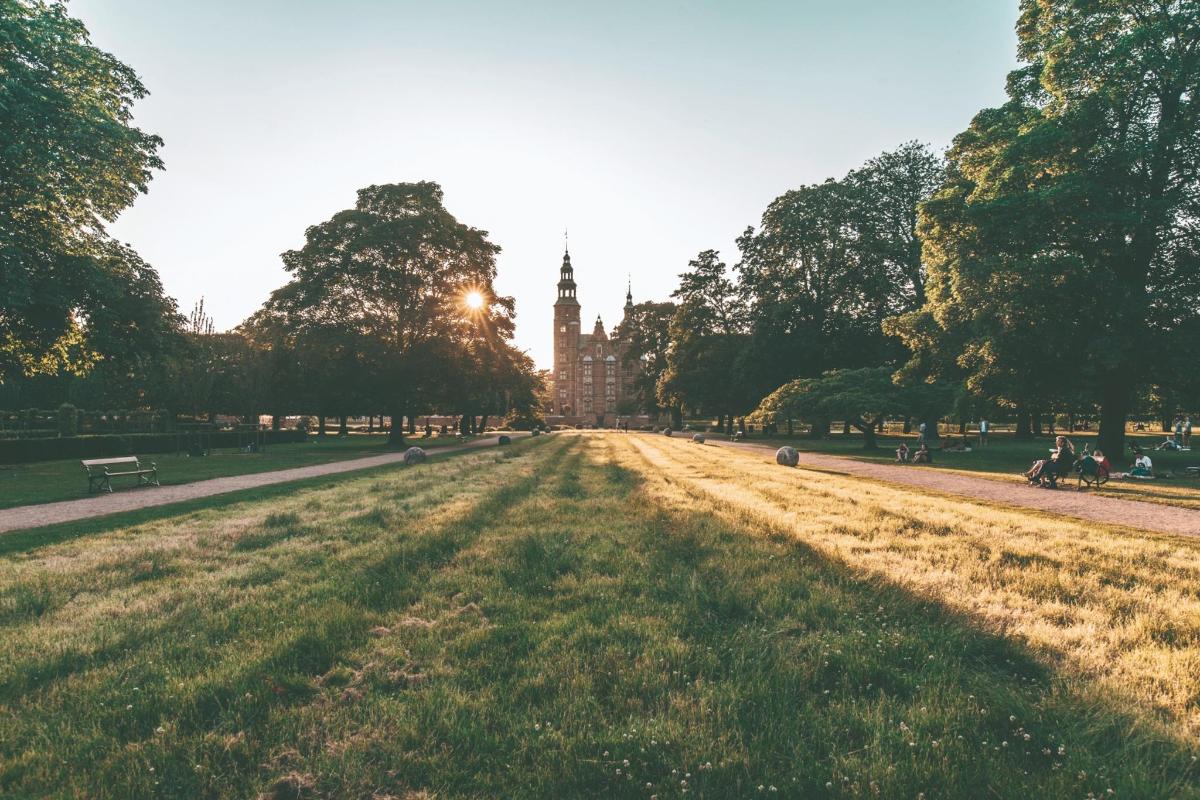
column 592, row 384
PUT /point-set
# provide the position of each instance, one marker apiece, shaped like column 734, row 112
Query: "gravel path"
column 35, row 516
column 1084, row 505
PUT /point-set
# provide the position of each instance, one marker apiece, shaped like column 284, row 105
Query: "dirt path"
column 35, row 516
column 1068, row 502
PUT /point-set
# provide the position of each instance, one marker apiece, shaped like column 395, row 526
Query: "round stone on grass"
column 414, row 455
column 787, row 456
column 504, row 440
column 698, row 438
column 667, row 432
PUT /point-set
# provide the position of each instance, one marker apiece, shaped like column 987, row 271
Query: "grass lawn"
column 48, row 481
column 601, row 615
column 1005, row 458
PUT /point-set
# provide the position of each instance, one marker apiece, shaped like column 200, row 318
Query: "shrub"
column 67, row 417
column 22, row 451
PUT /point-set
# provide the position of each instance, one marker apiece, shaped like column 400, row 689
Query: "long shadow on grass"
column 31, row 539
column 700, row 654
column 329, row 615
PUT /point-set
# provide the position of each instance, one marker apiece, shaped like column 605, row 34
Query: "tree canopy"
column 71, row 161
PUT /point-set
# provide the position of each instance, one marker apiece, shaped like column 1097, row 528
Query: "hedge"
column 20, row 451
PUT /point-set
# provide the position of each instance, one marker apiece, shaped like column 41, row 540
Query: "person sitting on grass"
column 902, row 453
column 1143, row 467
column 1103, row 465
column 1169, row 444
column 922, row 456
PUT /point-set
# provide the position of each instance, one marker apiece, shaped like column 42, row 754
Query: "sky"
column 650, row 130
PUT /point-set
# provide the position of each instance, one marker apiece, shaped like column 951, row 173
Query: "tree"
column 1075, row 203
column 70, row 162
column 387, row 280
column 647, row 329
column 707, row 334
column 862, row 396
column 829, row 262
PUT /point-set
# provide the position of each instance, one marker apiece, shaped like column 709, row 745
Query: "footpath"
column 35, row 516
column 1087, row 505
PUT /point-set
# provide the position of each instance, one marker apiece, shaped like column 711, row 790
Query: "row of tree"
column 1050, row 261
column 372, row 321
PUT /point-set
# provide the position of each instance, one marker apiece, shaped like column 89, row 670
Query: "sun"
column 474, row 300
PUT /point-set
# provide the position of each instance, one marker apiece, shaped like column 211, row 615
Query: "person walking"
column 1187, row 432
column 921, row 433
column 983, row 432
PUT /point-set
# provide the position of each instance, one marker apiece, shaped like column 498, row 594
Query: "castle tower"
column 628, row 299
column 566, row 340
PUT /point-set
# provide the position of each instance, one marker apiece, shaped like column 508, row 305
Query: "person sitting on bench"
column 1046, row 472
column 902, row 453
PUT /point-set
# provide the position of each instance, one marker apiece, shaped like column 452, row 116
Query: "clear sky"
column 652, row 130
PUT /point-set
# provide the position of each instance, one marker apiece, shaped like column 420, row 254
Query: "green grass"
column 565, row 618
column 48, row 481
column 1007, row 458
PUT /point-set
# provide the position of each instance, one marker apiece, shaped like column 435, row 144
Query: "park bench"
column 100, row 472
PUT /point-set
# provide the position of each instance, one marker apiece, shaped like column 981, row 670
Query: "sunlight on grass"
column 593, row 616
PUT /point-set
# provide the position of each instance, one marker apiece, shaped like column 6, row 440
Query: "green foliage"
column 647, row 330
column 861, row 396
column 70, row 162
column 1062, row 251
column 67, row 417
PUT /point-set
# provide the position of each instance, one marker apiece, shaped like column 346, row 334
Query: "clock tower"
column 566, row 341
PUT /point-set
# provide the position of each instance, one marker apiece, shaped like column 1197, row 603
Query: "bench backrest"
column 130, row 461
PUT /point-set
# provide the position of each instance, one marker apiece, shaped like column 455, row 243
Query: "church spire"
column 629, row 297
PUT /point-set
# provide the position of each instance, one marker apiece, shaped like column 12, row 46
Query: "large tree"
column 829, row 262
column 707, row 335
column 1063, row 245
column 389, row 278
column 70, row 161
column 647, row 330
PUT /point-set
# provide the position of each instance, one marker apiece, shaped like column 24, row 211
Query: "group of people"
column 922, row 455
column 1045, row 472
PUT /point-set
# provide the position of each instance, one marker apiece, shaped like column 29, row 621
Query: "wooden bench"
column 100, row 475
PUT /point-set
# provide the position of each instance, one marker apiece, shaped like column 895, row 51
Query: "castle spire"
column 629, row 297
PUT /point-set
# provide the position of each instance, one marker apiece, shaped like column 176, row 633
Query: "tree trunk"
column 370, row 423
column 790, row 429
column 483, row 423
column 868, row 432
column 321, row 425
column 846, row 428
column 1022, row 431
column 1071, row 422
column 1114, row 410
column 342, row 429
column 464, row 425
column 742, row 425
column 1036, row 420
column 818, row 429
column 276, row 422
column 396, row 431
column 908, row 424
column 676, row 417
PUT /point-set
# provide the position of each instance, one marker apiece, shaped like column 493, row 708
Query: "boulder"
column 414, row 455
column 787, row 456
column 698, row 438
column 666, row 432
column 503, row 440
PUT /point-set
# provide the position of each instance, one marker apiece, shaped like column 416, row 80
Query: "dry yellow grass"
column 1118, row 608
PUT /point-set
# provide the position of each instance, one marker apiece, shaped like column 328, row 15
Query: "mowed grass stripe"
column 564, row 621
column 1117, row 608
